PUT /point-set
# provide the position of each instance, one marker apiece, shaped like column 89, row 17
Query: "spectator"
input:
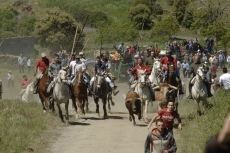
column 221, row 142
column 120, row 48
column 183, row 65
column 221, row 59
column 28, row 63
column 10, row 78
column 116, row 60
column 228, row 60
column 187, row 74
column 204, row 58
column 160, row 140
column 21, row 61
column 225, row 79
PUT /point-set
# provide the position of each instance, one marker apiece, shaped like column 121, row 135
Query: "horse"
column 199, row 90
column 154, row 77
column 101, row 89
column 144, row 92
column 61, row 93
column 43, row 94
column 80, row 94
column 27, row 94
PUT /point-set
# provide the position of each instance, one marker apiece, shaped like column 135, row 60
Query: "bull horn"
column 171, row 86
column 157, row 87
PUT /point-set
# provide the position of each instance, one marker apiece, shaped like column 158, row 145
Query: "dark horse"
column 80, row 94
column 101, row 90
column 43, row 94
column 172, row 80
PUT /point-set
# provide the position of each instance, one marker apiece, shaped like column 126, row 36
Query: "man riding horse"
column 166, row 61
column 193, row 70
column 41, row 65
column 54, row 68
column 101, row 67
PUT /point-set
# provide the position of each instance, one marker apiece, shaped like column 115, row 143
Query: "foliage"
column 25, row 26
column 143, row 12
column 188, row 18
column 140, row 16
column 97, row 16
column 170, row 2
column 112, row 32
column 166, row 28
column 56, row 30
column 21, row 123
column 179, row 9
column 199, row 129
column 225, row 39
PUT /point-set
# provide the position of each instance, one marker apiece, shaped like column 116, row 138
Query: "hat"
column 81, row 53
column 83, row 60
column 136, row 56
column 127, row 47
column 78, row 57
column 43, row 55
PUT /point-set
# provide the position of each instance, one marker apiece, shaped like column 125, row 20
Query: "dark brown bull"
column 133, row 104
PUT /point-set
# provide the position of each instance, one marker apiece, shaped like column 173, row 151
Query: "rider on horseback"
column 100, row 66
column 132, row 65
column 165, row 61
column 41, row 65
column 194, row 67
column 54, row 68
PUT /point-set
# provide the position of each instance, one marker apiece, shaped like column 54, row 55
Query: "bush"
column 198, row 130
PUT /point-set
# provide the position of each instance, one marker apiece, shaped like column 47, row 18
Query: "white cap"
column 136, row 56
column 43, row 55
column 81, row 53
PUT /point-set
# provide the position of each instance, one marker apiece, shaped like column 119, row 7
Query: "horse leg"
column 86, row 104
column 134, row 123
column 79, row 104
column 146, row 111
column 66, row 111
column 42, row 101
column 96, row 99
column 104, row 100
column 176, row 104
column 109, row 108
column 198, row 107
column 60, row 112
column 205, row 104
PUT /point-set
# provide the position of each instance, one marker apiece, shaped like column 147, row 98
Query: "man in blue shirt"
column 21, row 61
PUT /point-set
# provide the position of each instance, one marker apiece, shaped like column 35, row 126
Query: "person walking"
column 228, row 60
column 21, row 61
column 167, row 115
column 224, row 79
column 10, row 78
column 160, row 140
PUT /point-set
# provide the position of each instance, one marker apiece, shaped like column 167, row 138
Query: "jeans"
column 107, row 79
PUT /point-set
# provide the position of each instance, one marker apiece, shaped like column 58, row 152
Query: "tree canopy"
column 56, row 30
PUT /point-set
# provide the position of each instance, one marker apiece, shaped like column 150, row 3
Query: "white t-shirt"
column 225, row 80
column 28, row 62
column 72, row 65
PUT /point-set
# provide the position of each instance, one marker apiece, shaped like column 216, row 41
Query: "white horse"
column 144, row 92
column 156, row 70
column 199, row 90
column 61, row 93
column 27, row 94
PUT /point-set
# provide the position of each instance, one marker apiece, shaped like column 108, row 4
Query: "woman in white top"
column 28, row 63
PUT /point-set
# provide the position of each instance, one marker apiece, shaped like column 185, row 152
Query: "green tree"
column 188, row 18
column 225, row 39
column 56, row 29
column 166, row 28
column 25, row 26
column 179, row 8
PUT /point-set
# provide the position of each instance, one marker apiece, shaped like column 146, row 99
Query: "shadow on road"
column 79, row 123
column 115, row 117
column 141, row 125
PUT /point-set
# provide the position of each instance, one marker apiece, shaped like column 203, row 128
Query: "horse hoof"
column 113, row 104
column 44, row 111
column 99, row 115
column 134, row 124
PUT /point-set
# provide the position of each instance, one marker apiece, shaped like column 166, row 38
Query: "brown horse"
column 80, row 94
column 42, row 86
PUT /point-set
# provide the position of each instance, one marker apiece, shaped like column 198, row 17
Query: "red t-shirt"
column 142, row 67
column 42, row 64
column 168, row 117
column 25, row 83
column 131, row 50
column 165, row 61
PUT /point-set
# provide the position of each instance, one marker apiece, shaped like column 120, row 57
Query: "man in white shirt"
column 76, row 66
column 225, row 79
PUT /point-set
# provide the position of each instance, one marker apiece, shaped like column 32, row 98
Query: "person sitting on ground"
column 100, row 67
column 168, row 115
column 160, row 140
column 225, row 79
column 221, row 142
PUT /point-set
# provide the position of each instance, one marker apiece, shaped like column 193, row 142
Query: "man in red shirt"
column 140, row 66
column 165, row 61
column 41, row 65
column 25, row 82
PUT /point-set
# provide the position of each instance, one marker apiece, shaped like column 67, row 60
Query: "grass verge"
column 21, row 124
column 197, row 130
